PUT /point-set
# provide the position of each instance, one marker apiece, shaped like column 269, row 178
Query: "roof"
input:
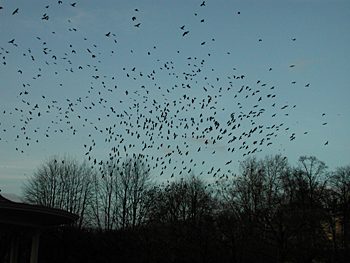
column 21, row 214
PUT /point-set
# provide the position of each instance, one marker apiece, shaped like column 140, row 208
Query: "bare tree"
column 134, row 178
column 314, row 173
column 185, row 200
column 104, row 204
column 62, row 183
column 119, row 193
column 275, row 214
column 340, row 186
column 306, row 189
column 242, row 199
column 274, row 204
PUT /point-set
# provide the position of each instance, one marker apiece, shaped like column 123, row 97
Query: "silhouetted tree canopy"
column 270, row 211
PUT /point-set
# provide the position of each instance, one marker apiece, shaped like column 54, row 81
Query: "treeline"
column 269, row 212
column 111, row 197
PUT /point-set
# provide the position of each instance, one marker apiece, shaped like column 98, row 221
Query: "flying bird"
column 15, row 11
column 45, row 17
column 185, row 33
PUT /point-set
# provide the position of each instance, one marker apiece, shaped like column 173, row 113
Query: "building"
column 20, row 228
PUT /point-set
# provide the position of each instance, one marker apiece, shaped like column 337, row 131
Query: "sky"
column 194, row 86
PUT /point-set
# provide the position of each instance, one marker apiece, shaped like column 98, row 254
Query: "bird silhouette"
column 15, row 11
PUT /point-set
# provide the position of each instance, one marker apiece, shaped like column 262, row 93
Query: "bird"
column 15, row 11
column 185, row 33
column 45, row 17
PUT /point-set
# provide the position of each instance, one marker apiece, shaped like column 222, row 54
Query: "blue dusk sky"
column 195, row 86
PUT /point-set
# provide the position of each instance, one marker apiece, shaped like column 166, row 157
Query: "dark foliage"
column 269, row 212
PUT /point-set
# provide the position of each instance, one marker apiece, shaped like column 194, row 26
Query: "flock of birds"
column 181, row 115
